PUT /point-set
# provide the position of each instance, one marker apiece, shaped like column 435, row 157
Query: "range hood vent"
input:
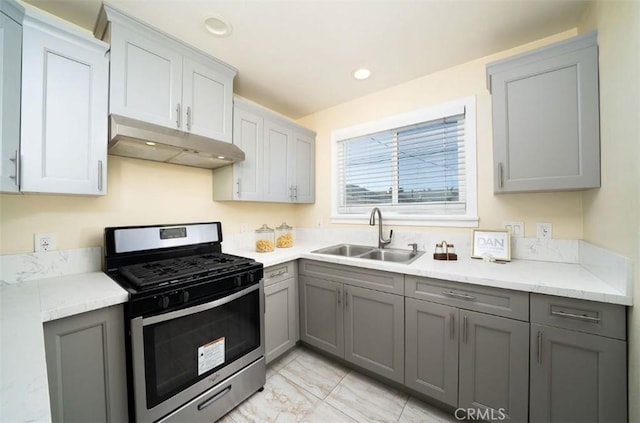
column 142, row 140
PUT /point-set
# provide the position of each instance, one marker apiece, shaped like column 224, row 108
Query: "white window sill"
column 413, row 220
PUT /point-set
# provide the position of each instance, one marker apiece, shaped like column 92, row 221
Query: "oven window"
column 180, row 352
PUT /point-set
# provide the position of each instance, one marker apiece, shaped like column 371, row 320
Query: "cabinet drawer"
column 279, row 272
column 500, row 302
column 357, row 276
column 579, row 315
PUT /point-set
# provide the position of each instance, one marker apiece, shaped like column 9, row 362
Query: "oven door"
column 178, row 355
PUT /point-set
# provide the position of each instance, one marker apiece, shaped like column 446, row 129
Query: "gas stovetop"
column 177, row 270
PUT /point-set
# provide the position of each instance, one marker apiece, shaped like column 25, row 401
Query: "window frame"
column 450, row 108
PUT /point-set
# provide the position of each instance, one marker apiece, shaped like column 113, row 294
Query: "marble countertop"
column 25, row 306
column 562, row 279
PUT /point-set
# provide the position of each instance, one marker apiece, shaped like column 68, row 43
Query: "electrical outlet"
column 516, row 228
column 544, row 230
column 44, row 242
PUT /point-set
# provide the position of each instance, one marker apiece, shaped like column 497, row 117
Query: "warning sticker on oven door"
column 210, row 355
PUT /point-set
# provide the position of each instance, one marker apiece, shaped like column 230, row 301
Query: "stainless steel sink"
column 395, row 256
column 371, row 253
column 346, row 250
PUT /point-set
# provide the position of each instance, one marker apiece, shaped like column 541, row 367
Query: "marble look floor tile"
column 286, row 358
column 417, row 411
column 314, row 373
column 324, row 413
column 366, row 400
column 281, row 401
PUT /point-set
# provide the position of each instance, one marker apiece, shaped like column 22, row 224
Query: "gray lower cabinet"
column 431, row 360
column 363, row 326
column 321, row 314
column 578, row 361
column 85, row 357
column 494, row 365
column 577, row 377
column 281, row 310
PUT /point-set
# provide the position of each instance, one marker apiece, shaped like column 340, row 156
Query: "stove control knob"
column 185, row 296
column 238, row 280
column 164, row 301
column 252, row 277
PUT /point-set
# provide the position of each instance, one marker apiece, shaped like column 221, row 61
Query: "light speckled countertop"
column 25, row 306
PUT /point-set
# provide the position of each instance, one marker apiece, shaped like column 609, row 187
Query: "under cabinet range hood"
column 142, row 140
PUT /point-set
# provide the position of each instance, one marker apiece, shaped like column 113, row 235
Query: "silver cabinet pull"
column 539, row 348
column 500, row 179
column 16, row 162
column 278, row 273
column 452, row 325
column 346, row 298
column 295, row 192
column 291, row 192
column 99, row 175
column 338, row 295
column 576, row 316
column 465, row 330
column 189, row 118
column 238, row 184
column 456, row 295
column 178, row 115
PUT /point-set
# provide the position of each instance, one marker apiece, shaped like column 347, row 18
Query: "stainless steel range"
column 194, row 321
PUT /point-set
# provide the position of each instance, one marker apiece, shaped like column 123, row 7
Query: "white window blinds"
column 414, row 169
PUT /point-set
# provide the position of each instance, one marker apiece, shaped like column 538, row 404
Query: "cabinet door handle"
column 189, row 118
column 539, row 348
column 576, row 316
column 465, row 330
column 295, row 192
column 99, row 175
column 500, row 179
column 178, row 115
column 346, row 298
column 452, row 324
column 338, row 296
column 456, row 295
column 291, row 192
column 238, row 184
column 281, row 272
column 16, row 161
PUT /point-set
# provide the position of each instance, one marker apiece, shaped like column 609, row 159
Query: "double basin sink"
column 371, row 253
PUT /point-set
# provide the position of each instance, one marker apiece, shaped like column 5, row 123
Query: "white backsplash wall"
column 15, row 268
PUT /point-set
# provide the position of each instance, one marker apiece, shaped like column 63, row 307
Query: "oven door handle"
column 196, row 309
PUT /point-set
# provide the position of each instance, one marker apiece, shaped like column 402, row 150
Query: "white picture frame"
column 491, row 244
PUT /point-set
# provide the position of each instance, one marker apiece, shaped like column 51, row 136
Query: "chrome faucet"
column 372, row 221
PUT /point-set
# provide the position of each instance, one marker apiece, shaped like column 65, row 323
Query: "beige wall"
column 563, row 210
column 139, row 192
column 612, row 213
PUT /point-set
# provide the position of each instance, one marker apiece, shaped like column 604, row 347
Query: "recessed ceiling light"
column 362, row 73
column 150, row 143
column 221, row 157
column 218, row 26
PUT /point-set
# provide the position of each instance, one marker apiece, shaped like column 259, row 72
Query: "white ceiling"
column 297, row 56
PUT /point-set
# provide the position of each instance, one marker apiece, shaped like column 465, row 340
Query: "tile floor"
column 303, row 386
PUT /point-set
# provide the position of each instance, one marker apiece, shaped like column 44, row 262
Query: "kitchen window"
column 419, row 168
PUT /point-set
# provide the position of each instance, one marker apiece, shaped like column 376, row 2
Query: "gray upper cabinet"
column 85, row 357
column 10, row 76
column 279, row 163
column 54, row 105
column 157, row 79
column 546, row 132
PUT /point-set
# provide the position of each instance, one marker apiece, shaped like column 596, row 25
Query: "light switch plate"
column 516, row 228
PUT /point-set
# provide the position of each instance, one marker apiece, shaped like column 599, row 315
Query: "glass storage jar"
column 265, row 239
column 284, row 236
